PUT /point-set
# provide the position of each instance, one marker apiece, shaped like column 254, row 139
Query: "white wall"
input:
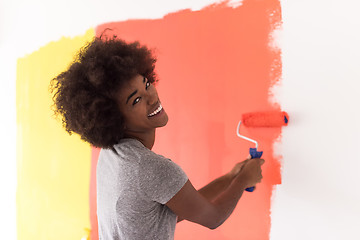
column 320, row 196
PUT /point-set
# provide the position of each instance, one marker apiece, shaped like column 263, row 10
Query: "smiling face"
column 140, row 105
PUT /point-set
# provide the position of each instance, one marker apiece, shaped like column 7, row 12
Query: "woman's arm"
column 216, row 187
column 191, row 205
column 213, row 189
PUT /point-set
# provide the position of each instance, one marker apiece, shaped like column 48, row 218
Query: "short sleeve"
column 160, row 178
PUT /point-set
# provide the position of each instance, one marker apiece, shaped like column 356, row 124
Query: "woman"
column 107, row 96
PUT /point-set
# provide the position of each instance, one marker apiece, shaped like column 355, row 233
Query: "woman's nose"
column 152, row 97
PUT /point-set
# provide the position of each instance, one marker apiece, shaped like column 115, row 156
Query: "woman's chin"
column 165, row 119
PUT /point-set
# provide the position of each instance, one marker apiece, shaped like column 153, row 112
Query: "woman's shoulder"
column 133, row 149
column 127, row 150
column 129, row 145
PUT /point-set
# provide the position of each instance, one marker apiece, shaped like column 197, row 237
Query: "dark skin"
column 211, row 205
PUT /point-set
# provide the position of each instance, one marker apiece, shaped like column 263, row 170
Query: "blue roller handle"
column 254, row 154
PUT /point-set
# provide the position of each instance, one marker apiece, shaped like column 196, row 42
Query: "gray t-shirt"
column 132, row 189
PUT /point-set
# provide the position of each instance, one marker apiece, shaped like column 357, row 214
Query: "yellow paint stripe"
column 53, row 168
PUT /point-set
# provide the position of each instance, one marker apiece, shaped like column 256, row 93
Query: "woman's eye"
column 136, row 100
column 147, row 85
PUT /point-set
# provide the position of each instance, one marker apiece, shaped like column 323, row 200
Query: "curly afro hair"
column 84, row 94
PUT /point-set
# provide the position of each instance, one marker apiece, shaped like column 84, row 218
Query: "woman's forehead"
column 128, row 87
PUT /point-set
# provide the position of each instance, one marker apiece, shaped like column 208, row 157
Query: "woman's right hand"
column 250, row 173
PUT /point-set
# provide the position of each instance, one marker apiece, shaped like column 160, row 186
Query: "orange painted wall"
column 214, row 65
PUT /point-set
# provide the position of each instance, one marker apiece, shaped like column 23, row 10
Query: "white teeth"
column 156, row 111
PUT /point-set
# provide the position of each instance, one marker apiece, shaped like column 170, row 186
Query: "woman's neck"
column 146, row 138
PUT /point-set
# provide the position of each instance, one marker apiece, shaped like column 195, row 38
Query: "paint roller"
column 261, row 119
